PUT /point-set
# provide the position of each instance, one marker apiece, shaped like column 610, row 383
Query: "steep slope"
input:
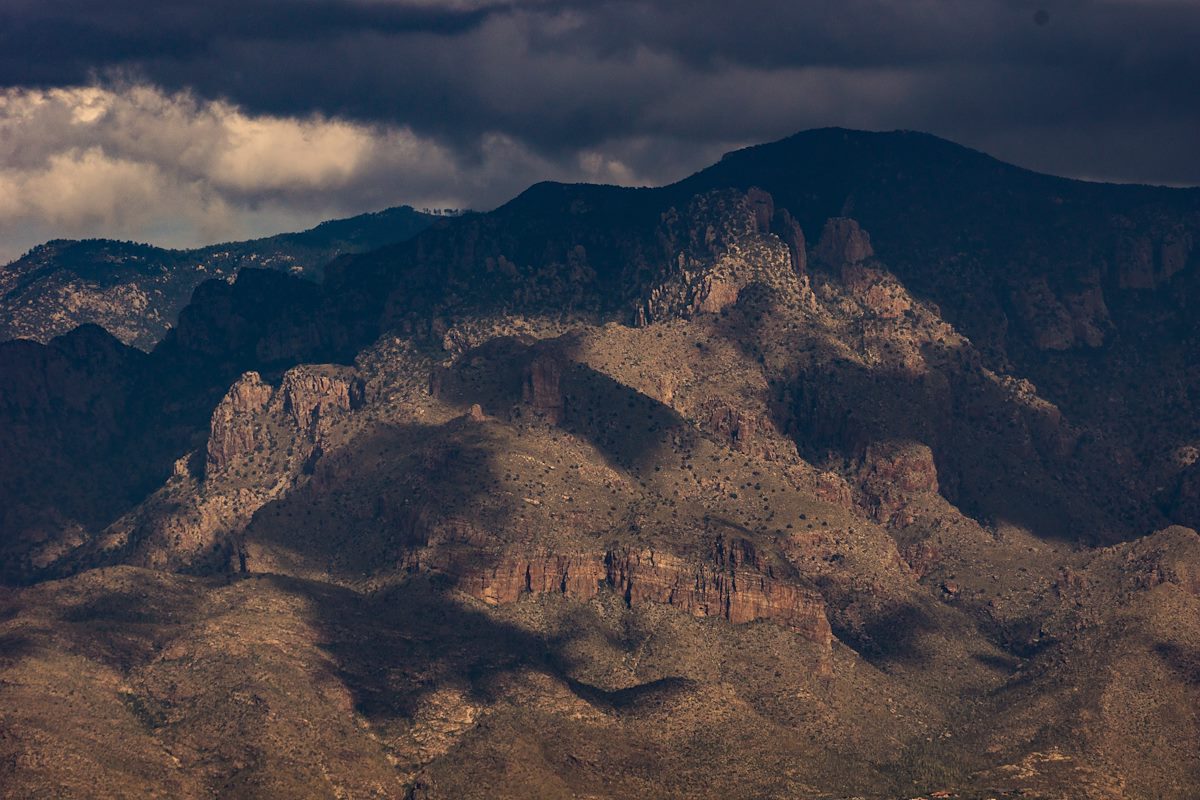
column 135, row 291
column 667, row 493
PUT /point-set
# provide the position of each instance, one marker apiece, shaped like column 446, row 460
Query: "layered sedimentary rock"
column 731, row 583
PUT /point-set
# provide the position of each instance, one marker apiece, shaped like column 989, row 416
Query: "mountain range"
column 135, row 291
column 856, row 465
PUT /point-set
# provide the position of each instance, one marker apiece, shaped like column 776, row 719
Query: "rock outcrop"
column 1079, row 318
column 785, row 226
column 745, row 430
column 892, row 472
column 540, row 387
column 1147, row 261
column 732, row 583
column 725, row 242
column 233, row 430
column 843, row 242
column 309, row 396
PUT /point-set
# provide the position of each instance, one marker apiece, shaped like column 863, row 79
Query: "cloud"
column 236, row 114
column 136, row 162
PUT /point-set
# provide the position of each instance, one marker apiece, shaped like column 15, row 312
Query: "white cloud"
column 134, row 162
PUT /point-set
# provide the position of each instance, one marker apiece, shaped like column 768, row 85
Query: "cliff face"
column 609, row 472
column 892, row 472
column 1149, row 260
column 540, row 386
column 232, row 431
column 723, row 242
column 731, row 584
column 843, row 243
column 262, row 442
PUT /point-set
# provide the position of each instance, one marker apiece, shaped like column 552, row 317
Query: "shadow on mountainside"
column 510, row 379
column 371, row 505
column 93, row 427
column 270, row 683
column 999, row 458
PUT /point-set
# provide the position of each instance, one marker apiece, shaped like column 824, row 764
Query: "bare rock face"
column 540, row 387
column 262, row 443
column 724, row 242
column 731, row 583
column 1146, row 261
column 789, row 231
column 306, row 398
column 232, row 431
column 891, row 473
column 745, row 430
column 880, row 294
column 716, row 296
column 1135, row 261
column 309, row 396
column 1174, row 251
column 780, row 222
column 843, row 242
column 763, row 206
column 1089, row 316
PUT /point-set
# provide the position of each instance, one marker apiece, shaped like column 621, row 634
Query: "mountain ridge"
column 137, row 289
column 583, row 495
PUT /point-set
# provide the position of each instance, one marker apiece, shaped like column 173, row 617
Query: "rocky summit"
column 856, row 465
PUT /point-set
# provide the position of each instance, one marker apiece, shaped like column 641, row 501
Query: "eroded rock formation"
column 843, row 242
column 891, row 473
column 540, row 386
column 732, row 583
column 233, row 430
column 309, row 396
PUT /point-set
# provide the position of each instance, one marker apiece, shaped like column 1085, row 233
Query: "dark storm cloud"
column 500, row 94
column 65, row 41
column 564, row 75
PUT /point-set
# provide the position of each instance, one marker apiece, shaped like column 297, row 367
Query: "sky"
column 184, row 122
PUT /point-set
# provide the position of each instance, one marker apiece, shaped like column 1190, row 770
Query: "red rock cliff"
column 732, row 583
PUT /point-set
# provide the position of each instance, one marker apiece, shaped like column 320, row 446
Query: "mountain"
column 858, row 465
column 135, row 291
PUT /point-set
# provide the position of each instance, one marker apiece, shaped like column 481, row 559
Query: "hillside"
column 135, row 291
column 854, row 466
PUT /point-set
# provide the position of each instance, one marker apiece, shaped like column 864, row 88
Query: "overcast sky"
column 190, row 121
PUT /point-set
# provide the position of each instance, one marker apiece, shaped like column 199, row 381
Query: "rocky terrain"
column 855, row 466
column 135, row 291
